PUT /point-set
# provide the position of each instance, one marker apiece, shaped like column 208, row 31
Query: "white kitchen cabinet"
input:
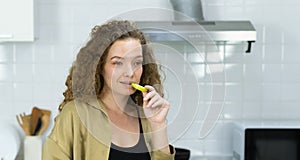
column 16, row 20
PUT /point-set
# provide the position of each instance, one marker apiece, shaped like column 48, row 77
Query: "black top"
column 136, row 152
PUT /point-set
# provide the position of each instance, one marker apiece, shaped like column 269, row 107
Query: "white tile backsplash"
column 234, row 53
column 274, row 53
column 21, row 72
column 252, row 110
column 273, row 110
column 6, row 55
column 271, row 92
column 290, row 92
column 6, row 72
column 264, row 84
column 291, row 54
column 291, row 73
column 292, row 110
column 235, row 12
column 6, row 93
column 234, row 72
column 272, row 73
column 252, row 92
column 234, row 92
column 23, row 53
column 253, row 72
column 232, row 110
column 22, row 92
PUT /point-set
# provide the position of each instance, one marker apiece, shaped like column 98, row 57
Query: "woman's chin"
column 125, row 92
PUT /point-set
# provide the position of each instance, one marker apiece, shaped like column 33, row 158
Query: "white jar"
column 33, row 148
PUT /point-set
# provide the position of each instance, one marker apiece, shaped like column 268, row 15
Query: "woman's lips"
column 127, row 84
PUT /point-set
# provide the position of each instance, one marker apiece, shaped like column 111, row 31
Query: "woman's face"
column 123, row 66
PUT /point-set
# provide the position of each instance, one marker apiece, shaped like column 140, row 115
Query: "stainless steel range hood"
column 189, row 24
column 217, row 31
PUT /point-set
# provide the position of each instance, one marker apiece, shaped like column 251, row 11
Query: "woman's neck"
column 114, row 102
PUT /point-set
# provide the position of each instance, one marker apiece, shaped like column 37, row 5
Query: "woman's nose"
column 128, row 70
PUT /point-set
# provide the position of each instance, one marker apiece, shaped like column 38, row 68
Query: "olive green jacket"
column 82, row 132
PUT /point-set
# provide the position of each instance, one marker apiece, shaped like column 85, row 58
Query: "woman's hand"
column 155, row 107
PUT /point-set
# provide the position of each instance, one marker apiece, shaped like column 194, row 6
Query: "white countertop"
column 267, row 124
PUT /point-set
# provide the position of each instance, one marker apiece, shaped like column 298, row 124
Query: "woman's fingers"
column 149, row 95
column 154, row 100
column 155, row 106
column 158, row 104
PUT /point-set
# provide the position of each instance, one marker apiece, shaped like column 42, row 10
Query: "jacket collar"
column 96, row 103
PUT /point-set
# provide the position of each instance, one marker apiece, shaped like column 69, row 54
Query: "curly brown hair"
column 85, row 77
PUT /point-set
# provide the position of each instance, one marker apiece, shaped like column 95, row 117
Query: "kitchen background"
column 262, row 85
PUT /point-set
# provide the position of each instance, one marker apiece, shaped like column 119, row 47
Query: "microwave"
column 271, row 140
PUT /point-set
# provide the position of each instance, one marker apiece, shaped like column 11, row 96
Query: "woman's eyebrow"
column 139, row 56
column 118, row 57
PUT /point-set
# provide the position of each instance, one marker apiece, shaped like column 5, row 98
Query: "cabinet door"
column 16, row 20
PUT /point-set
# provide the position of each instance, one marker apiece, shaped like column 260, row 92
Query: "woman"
column 102, row 116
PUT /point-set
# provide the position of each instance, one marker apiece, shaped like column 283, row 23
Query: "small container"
column 33, row 148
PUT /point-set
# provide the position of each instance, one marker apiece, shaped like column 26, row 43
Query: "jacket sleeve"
column 52, row 151
column 59, row 144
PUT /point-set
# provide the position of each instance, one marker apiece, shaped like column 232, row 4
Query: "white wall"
column 263, row 85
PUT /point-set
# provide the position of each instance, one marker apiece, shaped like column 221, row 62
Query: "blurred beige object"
column 24, row 122
column 36, row 114
column 45, row 123
column 36, row 123
column 46, row 112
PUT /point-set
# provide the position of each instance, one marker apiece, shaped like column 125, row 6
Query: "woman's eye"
column 138, row 63
column 117, row 63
